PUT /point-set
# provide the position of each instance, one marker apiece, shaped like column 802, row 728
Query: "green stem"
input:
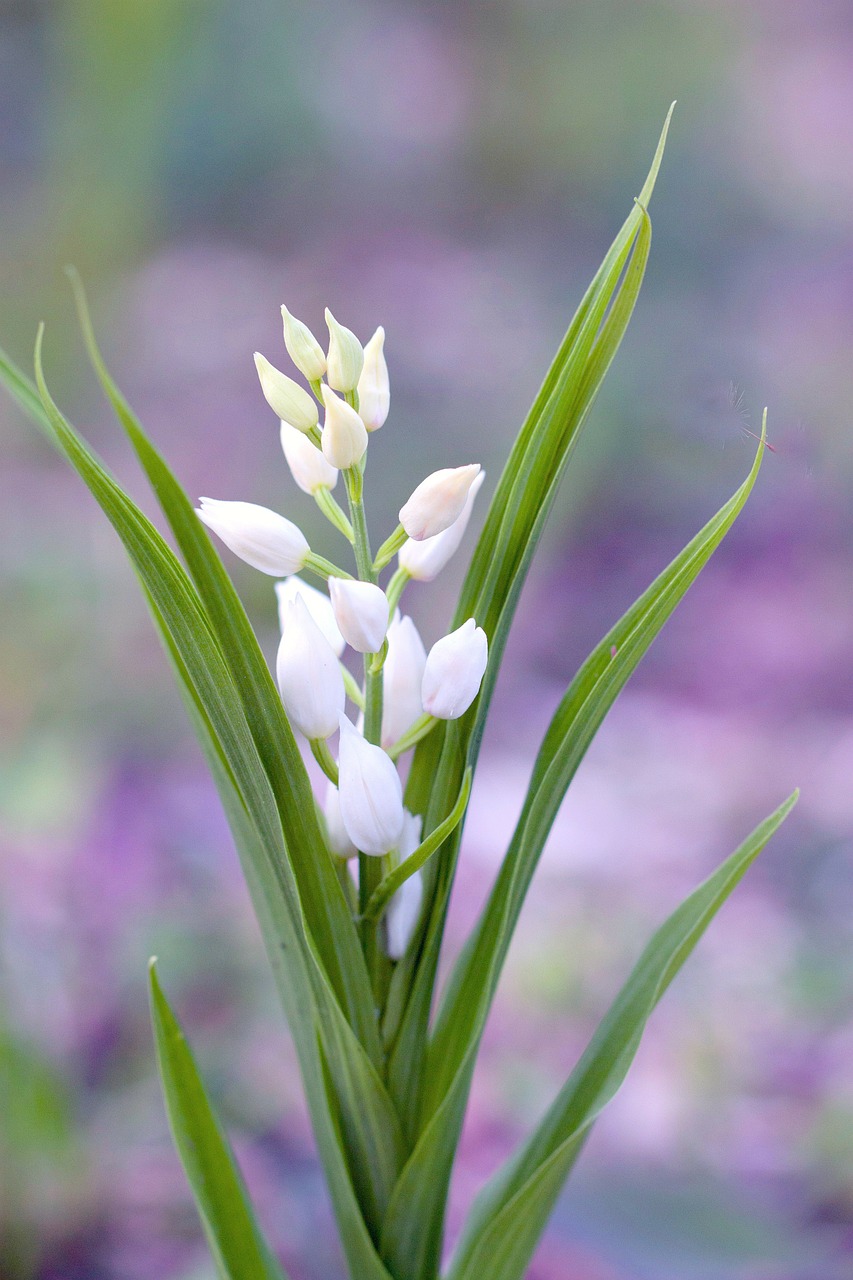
column 400, row 579
column 333, row 513
column 353, row 689
column 325, row 759
column 421, row 727
column 389, row 548
column 323, row 568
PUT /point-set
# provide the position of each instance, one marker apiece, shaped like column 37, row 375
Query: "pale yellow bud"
column 346, row 356
column 286, row 398
column 374, row 393
column 344, row 433
column 303, row 348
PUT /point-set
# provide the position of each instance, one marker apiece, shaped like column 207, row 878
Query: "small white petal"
column 361, row 612
column 402, row 676
column 308, row 466
column 285, row 397
column 309, row 675
column 374, row 392
column 402, row 916
column 424, row 560
column 454, row 671
column 371, row 794
column 437, row 501
column 346, row 356
column 344, row 433
column 339, row 841
column 303, row 348
column 261, row 537
column 318, row 604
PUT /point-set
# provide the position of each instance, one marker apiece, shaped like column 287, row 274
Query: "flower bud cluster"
column 363, row 806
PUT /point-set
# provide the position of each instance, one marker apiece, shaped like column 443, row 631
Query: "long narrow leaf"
column 294, row 986
column 578, row 717
column 233, row 1235
column 462, row 1016
column 510, row 1214
column 366, row 1114
column 524, row 497
column 492, row 587
column 326, row 910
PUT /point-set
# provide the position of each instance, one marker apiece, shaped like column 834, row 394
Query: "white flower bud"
column 261, row 537
column 371, row 795
column 308, row 466
column 318, row 604
column 454, row 671
column 402, row 676
column 424, row 560
column 309, row 675
column 339, row 841
column 374, row 393
column 344, row 434
column 303, row 348
column 285, row 397
column 346, row 356
column 437, row 501
column 404, row 909
column 361, row 612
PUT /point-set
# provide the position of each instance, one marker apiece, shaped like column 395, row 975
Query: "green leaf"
column 510, row 1214
column 292, row 978
column 490, row 593
column 366, row 1115
column 462, row 1015
column 233, row 1235
column 577, row 719
column 326, row 910
column 385, row 890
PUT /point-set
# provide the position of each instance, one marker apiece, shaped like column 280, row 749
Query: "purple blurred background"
column 455, row 173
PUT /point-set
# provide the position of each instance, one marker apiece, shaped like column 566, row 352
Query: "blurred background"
column 454, row 172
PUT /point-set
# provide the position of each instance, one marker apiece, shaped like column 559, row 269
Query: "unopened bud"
column 285, row 397
column 454, row 671
column 361, row 612
column 303, row 348
column 424, row 560
column 371, row 795
column 344, row 434
column 404, row 909
column 402, row 675
column 346, row 356
column 309, row 675
column 318, row 604
column 374, row 393
column 308, row 466
column 437, row 501
column 339, row 841
column 261, row 537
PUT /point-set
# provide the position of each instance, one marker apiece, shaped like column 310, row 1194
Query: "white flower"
column 371, row 795
column 404, row 909
column 374, row 393
column 318, row 604
column 424, row 560
column 303, row 348
column 309, row 674
column 437, row 501
column 361, row 612
column 308, row 466
column 346, row 357
column 344, row 433
column 454, row 671
column 285, row 397
column 402, row 676
column 261, row 537
column 339, row 841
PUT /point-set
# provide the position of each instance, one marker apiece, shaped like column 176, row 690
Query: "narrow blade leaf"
column 233, row 1235
column 510, row 1214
